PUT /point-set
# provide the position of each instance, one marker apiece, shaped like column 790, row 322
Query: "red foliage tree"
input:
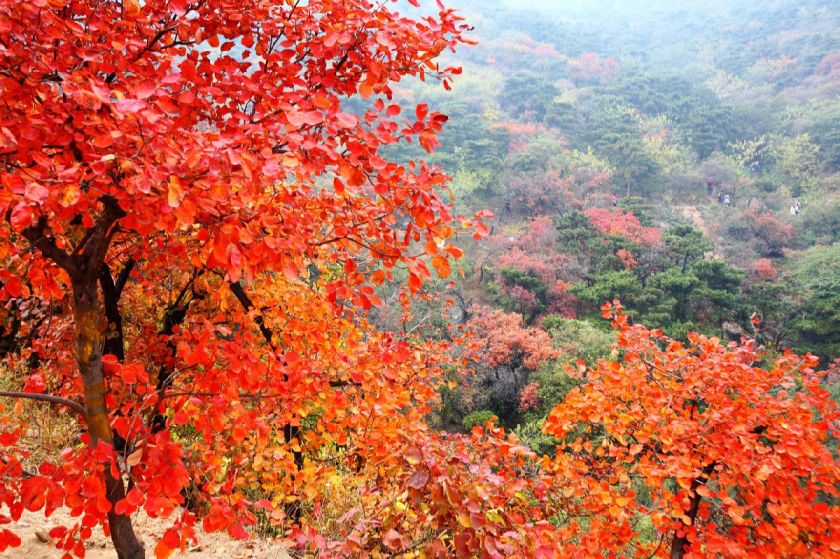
column 521, row 132
column 182, row 183
column 627, row 257
column 462, row 496
column 733, row 457
column 624, row 224
column 544, row 193
column 590, row 67
column 534, row 253
column 829, row 64
column 501, row 338
column 770, row 234
column 764, row 269
column 529, row 398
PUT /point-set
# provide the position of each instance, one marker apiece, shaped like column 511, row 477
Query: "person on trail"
column 794, row 208
column 720, row 197
column 614, row 200
column 726, row 199
column 710, row 188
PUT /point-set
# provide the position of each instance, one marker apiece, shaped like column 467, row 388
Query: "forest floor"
column 33, row 530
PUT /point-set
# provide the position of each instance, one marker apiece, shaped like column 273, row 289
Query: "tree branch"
column 37, row 237
column 243, row 298
column 96, row 245
column 75, row 406
column 679, row 543
column 114, row 340
column 121, row 280
column 239, row 292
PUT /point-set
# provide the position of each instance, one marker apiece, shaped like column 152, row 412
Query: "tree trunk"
column 679, row 543
column 89, row 342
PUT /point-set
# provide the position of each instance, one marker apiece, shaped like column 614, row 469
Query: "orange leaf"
column 441, row 265
column 162, row 550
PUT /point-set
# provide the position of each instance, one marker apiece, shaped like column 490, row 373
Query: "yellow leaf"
column 622, row 501
column 290, row 161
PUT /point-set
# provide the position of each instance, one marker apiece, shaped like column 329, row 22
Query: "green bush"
column 478, row 418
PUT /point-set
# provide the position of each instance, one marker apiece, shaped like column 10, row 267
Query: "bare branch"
column 75, row 406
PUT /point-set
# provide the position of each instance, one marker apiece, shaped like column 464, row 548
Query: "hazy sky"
column 582, row 7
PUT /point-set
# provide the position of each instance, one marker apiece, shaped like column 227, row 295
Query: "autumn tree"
column 186, row 193
column 623, row 224
column 503, row 352
column 770, row 234
column 722, row 456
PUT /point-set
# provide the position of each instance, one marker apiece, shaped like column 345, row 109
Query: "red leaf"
column 421, row 111
column 103, row 140
column 145, row 89
column 299, row 119
column 392, row 540
column 162, row 550
column 21, row 216
column 441, row 265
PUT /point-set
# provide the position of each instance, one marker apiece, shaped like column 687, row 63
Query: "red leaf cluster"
column 623, row 224
column 501, row 337
column 732, row 455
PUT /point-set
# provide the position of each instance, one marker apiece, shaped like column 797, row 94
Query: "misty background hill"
column 680, row 156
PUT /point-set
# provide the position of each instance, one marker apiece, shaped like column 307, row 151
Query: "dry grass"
column 49, row 427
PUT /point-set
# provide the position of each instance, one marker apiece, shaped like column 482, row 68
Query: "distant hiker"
column 726, row 199
column 794, row 208
column 614, row 201
column 720, row 197
column 710, row 188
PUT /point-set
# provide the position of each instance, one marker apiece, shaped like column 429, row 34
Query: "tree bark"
column 111, row 292
column 89, row 344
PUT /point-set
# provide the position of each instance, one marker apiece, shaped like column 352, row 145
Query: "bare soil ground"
column 33, row 530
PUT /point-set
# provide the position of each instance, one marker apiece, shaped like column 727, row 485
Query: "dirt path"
column 696, row 218
column 33, row 530
column 693, row 214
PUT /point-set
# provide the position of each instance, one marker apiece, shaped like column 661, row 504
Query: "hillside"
column 475, row 279
column 678, row 158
